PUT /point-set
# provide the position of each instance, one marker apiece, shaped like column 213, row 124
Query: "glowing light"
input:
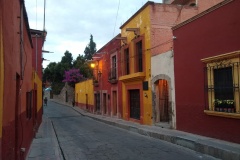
column 93, row 65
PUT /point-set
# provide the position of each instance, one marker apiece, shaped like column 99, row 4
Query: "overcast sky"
column 69, row 23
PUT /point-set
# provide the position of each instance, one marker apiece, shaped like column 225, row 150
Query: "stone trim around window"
column 213, row 105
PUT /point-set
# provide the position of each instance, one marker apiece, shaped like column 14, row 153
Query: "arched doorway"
column 162, row 101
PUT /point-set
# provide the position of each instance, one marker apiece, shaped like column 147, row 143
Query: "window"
column 126, row 61
column 222, row 78
column 223, row 83
column 114, row 68
column 139, row 57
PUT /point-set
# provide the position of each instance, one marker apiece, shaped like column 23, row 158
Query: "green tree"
column 54, row 72
column 83, row 66
column 49, row 72
column 67, row 60
column 90, row 49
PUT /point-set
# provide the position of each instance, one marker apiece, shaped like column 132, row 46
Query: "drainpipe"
column 21, row 41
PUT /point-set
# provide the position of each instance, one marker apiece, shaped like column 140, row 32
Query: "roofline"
column 213, row 8
column 37, row 31
column 26, row 21
column 143, row 7
column 107, row 44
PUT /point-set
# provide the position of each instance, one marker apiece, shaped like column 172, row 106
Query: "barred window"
column 114, row 67
column 126, row 61
column 222, row 78
column 139, row 56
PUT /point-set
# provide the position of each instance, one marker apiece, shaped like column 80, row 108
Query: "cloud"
column 70, row 23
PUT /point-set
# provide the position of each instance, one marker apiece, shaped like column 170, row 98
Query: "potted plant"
column 224, row 105
column 230, row 105
column 217, row 104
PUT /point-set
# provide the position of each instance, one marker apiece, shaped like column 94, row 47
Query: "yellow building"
column 84, row 95
column 37, row 93
column 136, row 67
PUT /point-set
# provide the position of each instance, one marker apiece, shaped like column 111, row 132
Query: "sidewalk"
column 45, row 145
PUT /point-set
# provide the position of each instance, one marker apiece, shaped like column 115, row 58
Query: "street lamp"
column 92, row 65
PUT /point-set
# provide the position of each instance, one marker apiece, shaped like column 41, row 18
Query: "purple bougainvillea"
column 72, row 76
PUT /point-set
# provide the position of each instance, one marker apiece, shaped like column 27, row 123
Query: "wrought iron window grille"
column 222, row 79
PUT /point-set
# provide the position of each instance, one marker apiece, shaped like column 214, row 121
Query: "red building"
column 18, row 111
column 107, row 88
column 207, row 72
column 38, row 38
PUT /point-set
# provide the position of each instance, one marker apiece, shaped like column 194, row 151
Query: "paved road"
column 82, row 138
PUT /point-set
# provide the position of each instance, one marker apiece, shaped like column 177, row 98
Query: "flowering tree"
column 72, row 76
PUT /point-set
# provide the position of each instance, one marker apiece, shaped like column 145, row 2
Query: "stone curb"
column 208, row 146
column 37, row 154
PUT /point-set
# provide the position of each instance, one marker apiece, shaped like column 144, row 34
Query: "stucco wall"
column 66, row 95
column 163, row 18
column 38, row 81
column 140, row 20
column 37, row 54
column 105, row 88
column 219, row 35
column 163, row 68
column 17, row 127
column 81, row 89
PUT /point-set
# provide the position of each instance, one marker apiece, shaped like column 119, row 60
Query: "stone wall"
column 66, row 95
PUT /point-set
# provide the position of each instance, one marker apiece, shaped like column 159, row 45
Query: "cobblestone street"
column 80, row 137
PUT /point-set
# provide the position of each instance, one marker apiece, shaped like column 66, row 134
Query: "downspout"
column 21, row 42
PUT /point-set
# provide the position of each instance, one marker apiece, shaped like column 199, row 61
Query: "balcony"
column 139, row 76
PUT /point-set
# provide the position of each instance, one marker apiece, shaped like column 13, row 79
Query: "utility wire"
column 116, row 18
column 123, row 60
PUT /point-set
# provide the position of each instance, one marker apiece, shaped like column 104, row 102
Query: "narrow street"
column 80, row 137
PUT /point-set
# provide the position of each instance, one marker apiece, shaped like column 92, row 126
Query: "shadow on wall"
column 66, row 95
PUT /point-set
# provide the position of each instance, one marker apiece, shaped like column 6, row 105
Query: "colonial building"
column 206, row 65
column 136, row 68
column 148, row 79
column 38, row 38
column 162, row 18
column 20, row 83
column 107, row 88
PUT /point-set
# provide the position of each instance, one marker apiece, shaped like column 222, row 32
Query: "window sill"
column 222, row 114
